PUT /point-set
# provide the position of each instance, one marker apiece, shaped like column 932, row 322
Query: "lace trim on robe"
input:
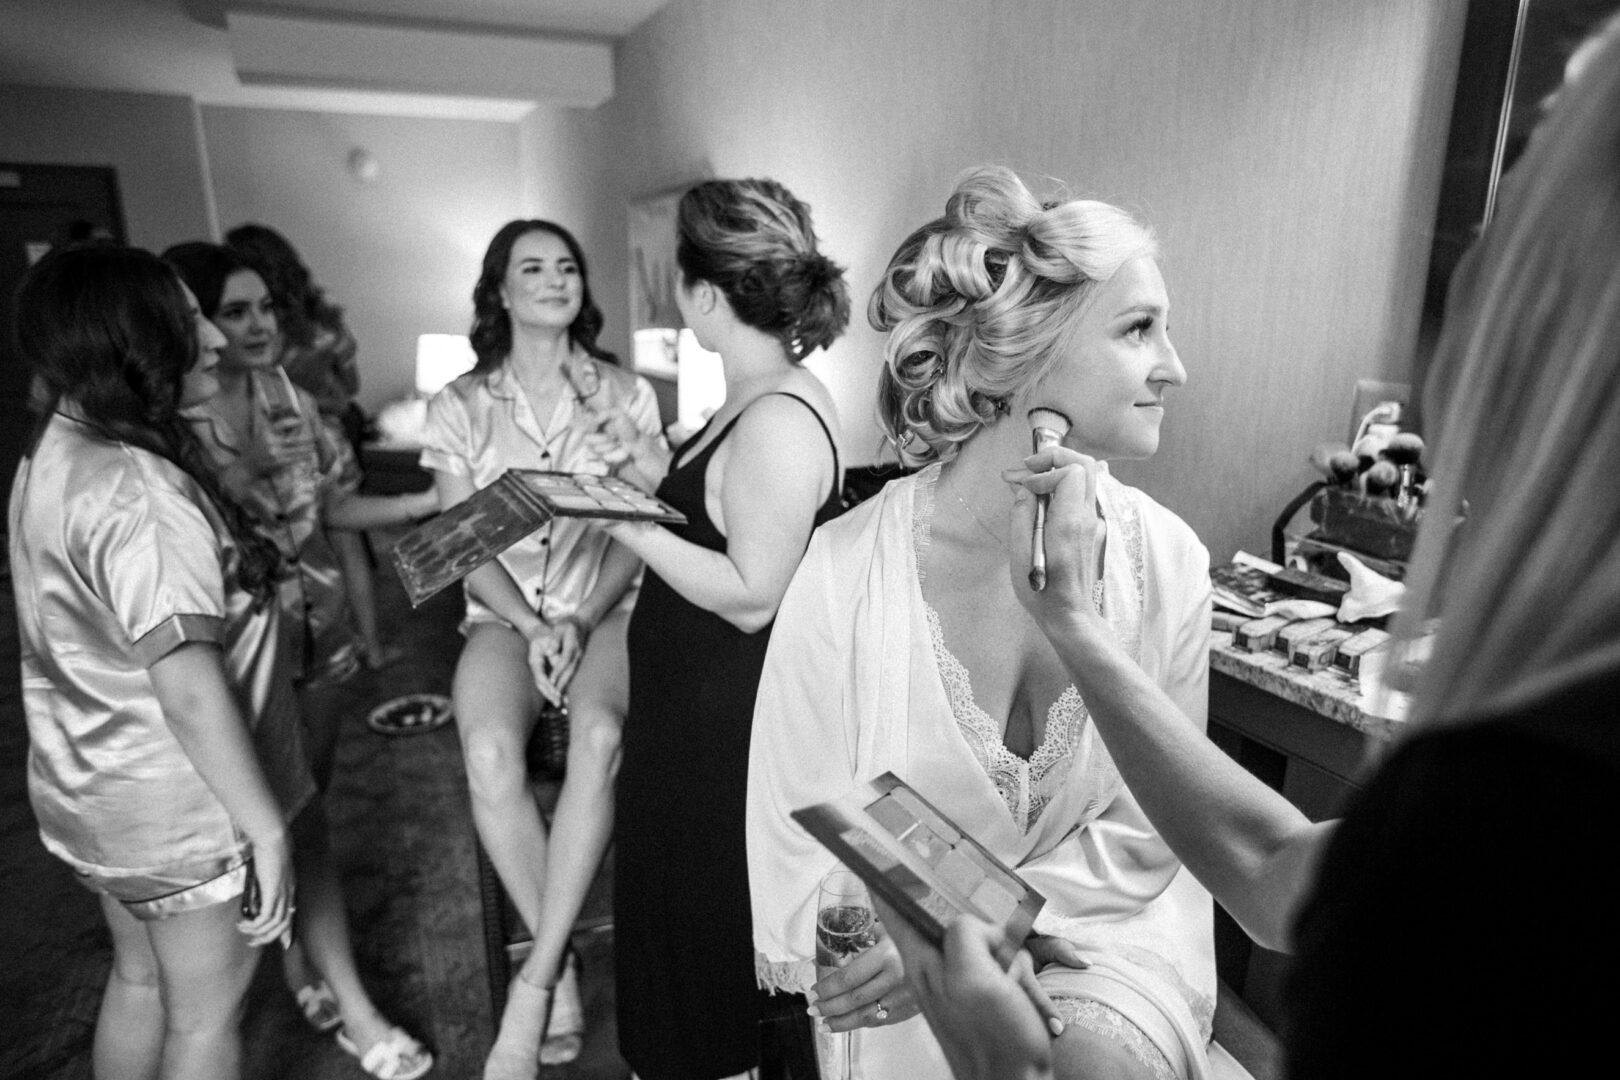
column 1113, row 1025
column 1027, row 787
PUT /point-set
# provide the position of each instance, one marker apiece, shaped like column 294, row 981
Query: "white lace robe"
column 857, row 683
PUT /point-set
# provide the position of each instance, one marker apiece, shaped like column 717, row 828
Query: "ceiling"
column 461, row 59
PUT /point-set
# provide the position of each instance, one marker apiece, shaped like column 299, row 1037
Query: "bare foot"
column 516, row 1053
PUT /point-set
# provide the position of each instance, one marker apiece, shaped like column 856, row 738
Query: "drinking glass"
column 845, row 927
column 281, row 414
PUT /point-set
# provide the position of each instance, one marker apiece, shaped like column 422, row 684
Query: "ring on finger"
column 880, row 1012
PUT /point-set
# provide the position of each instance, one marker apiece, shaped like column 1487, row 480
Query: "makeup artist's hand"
column 848, row 998
column 992, row 1024
column 1074, row 532
column 628, row 451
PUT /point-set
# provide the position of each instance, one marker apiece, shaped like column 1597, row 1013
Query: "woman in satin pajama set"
column 165, row 757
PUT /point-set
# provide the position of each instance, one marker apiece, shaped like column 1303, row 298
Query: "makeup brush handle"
column 1040, row 438
column 1037, row 545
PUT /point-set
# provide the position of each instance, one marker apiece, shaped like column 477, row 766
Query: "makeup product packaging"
column 452, row 545
column 922, row 864
column 1349, row 655
column 1309, row 586
column 1317, row 651
column 1296, row 632
column 1256, row 635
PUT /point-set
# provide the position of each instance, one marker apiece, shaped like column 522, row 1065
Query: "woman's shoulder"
column 105, row 481
column 800, row 405
column 1161, row 527
column 853, row 536
column 461, row 392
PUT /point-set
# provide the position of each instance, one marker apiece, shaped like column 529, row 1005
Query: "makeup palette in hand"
column 460, row 540
column 588, row 496
column 922, row 865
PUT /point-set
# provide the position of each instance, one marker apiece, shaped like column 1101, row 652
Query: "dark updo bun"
column 976, row 303
column 753, row 241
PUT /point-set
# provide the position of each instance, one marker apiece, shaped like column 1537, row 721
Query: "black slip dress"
column 688, row 1004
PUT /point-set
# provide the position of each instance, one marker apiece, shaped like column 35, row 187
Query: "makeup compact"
column 921, row 864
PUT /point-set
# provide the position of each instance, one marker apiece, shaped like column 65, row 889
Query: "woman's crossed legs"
column 547, row 877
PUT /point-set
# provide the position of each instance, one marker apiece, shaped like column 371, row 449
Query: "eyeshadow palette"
column 921, row 864
column 452, row 545
column 586, row 495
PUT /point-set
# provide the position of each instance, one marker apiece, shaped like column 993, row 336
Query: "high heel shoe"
column 319, row 1006
column 565, row 1030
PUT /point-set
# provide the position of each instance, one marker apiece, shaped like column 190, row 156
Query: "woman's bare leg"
column 204, row 968
column 355, row 562
column 129, row 1028
column 323, row 929
column 583, row 822
column 496, row 707
column 1082, row 1053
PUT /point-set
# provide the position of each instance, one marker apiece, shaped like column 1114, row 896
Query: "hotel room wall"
column 1288, row 155
column 400, row 252
column 150, row 139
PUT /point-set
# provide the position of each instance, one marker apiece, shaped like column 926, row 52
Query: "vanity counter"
column 1325, row 693
column 1304, row 734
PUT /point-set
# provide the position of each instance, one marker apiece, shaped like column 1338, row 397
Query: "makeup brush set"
column 1369, row 502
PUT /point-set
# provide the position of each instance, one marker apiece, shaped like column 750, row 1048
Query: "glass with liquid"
column 284, row 417
column 845, row 928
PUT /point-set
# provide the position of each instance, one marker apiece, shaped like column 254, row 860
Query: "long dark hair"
column 491, row 334
column 300, row 302
column 109, row 329
column 205, row 268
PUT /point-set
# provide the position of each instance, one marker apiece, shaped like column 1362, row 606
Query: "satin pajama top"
column 119, row 558
column 481, row 425
column 321, row 643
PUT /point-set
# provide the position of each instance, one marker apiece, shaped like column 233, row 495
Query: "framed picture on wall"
column 655, row 321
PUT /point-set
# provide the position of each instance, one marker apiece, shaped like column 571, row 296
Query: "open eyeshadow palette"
column 921, row 864
column 447, row 548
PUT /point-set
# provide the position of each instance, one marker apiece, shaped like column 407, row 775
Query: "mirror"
column 1513, row 57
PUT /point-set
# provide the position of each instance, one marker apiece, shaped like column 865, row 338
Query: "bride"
column 901, row 646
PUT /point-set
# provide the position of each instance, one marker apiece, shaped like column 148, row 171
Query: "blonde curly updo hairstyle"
column 979, row 303
column 753, row 240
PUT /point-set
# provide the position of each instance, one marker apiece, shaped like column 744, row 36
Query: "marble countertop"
column 1326, row 693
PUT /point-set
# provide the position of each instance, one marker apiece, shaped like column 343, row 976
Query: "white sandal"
column 395, row 1056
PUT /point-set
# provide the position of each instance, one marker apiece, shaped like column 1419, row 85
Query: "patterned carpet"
column 403, row 837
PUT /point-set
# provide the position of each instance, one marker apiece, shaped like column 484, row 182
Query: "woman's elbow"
column 753, row 612
column 753, row 619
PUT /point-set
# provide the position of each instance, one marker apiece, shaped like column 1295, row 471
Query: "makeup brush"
column 1046, row 428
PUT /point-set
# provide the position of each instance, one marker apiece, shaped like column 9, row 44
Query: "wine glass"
column 284, row 417
column 845, row 927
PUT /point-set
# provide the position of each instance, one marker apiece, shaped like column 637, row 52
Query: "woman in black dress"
column 753, row 483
